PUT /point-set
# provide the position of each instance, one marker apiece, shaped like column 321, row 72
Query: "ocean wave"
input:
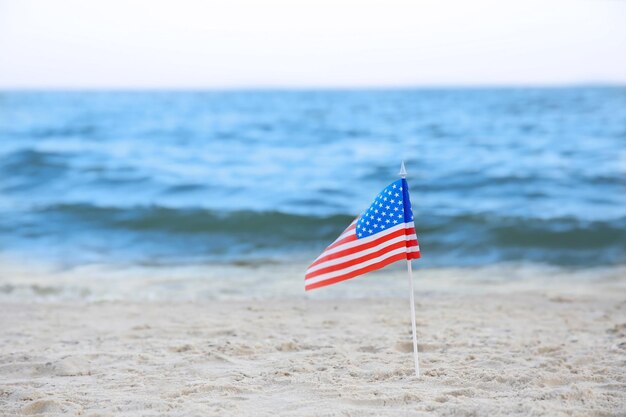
column 559, row 232
column 438, row 230
column 27, row 161
column 199, row 220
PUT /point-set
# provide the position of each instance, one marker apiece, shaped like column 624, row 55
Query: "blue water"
column 528, row 175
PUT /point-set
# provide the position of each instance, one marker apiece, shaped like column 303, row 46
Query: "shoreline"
column 39, row 281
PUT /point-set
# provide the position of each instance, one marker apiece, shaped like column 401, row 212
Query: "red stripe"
column 358, row 272
column 413, row 255
column 359, row 248
column 356, row 261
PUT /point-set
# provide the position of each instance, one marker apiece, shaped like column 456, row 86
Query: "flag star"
column 371, row 231
column 394, row 186
column 389, row 192
column 399, row 215
column 378, row 219
column 397, row 195
column 375, row 211
column 360, row 234
column 387, row 221
column 367, row 223
column 385, row 199
column 400, row 188
column 384, row 213
column 382, row 226
column 380, row 205
column 392, row 201
column 387, row 207
column 395, row 221
column 375, row 226
column 395, row 208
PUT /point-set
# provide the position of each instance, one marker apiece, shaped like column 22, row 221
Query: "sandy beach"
column 559, row 350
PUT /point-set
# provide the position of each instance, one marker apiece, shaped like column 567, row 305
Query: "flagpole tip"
column 402, row 172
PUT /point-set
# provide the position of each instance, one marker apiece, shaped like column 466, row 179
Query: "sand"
column 500, row 351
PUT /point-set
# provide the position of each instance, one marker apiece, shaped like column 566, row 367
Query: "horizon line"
column 306, row 87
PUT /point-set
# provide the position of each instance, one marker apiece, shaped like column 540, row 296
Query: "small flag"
column 383, row 234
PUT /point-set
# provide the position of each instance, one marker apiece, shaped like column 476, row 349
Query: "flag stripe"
column 372, row 267
column 371, row 247
column 357, row 267
column 358, row 258
column 412, row 242
column 370, row 238
column 352, row 241
column 402, row 234
column 413, row 254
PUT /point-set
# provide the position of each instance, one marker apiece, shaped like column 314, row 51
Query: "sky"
column 309, row 43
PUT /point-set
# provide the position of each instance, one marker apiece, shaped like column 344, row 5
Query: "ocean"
column 266, row 178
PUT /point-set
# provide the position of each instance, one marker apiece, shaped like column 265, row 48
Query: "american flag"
column 383, row 234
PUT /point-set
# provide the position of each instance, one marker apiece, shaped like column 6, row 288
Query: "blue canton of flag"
column 391, row 207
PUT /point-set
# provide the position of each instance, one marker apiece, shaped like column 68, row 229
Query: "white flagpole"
column 415, row 355
column 412, row 298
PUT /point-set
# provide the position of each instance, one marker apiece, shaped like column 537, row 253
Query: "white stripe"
column 365, row 264
column 358, row 242
column 355, row 255
column 364, row 252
